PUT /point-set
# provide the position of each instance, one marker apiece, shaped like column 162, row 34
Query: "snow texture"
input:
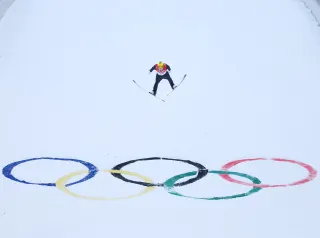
column 314, row 6
column 4, row 5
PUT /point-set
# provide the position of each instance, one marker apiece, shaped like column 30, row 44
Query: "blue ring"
column 7, row 171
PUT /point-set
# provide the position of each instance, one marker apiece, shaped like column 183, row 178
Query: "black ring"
column 202, row 171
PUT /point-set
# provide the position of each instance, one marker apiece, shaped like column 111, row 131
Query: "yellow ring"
column 61, row 184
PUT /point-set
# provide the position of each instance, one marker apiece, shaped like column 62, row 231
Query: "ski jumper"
column 162, row 73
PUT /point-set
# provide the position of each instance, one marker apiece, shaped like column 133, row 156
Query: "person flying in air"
column 163, row 70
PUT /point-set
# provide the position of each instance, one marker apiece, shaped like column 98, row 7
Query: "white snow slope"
column 4, row 6
column 314, row 6
column 252, row 91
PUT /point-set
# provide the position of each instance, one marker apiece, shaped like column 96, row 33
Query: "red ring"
column 312, row 173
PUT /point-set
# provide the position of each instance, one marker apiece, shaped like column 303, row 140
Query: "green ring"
column 169, row 184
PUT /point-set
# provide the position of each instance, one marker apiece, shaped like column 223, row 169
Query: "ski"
column 178, row 84
column 147, row 91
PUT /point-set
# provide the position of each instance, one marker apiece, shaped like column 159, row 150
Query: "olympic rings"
column 170, row 184
column 312, row 173
column 61, row 184
column 7, row 171
column 202, row 171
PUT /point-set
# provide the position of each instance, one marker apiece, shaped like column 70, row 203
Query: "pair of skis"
column 155, row 95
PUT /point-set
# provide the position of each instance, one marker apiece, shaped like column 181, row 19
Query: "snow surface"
column 252, row 91
column 4, row 6
column 314, row 6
